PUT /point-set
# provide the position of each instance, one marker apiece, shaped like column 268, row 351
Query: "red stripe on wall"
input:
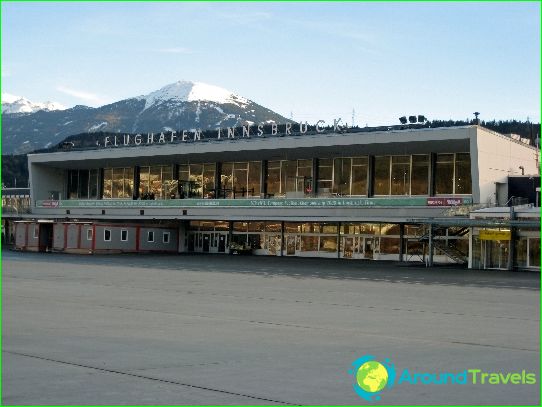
column 93, row 237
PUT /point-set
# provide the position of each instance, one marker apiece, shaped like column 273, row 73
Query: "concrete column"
column 100, row 183
column 401, row 241
column 370, row 176
column 430, row 254
column 315, row 177
column 263, row 180
column 511, row 247
column 135, row 193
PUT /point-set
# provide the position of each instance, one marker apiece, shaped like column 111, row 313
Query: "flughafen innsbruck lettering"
column 231, row 133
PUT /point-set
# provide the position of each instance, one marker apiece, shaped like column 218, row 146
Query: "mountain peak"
column 18, row 104
column 187, row 91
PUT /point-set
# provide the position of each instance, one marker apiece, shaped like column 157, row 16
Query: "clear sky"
column 309, row 60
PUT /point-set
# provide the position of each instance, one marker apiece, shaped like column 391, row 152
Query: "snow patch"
column 18, row 104
column 185, row 91
column 97, row 127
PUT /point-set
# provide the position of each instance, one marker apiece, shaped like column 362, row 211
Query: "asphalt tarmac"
column 211, row 329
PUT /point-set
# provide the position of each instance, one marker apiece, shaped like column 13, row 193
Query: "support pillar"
column 430, row 254
column 263, row 180
column 401, row 241
column 371, row 176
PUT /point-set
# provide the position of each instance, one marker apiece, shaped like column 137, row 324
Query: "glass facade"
column 156, row 182
column 241, row 179
column 83, row 184
column 197, row 180
column 453, row 174
column 118, row 182
column 289, row 176
column 392, row 175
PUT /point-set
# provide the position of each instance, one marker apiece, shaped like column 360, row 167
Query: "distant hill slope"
column 181, row 105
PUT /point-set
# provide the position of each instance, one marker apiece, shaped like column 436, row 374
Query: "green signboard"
column 251, row 203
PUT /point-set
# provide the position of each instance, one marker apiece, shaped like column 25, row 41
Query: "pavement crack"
column 156, row 379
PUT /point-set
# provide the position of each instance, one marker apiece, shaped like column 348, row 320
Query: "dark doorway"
column 45, row 236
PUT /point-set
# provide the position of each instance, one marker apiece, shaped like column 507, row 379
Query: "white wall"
column 497, row 157
column 44, row 179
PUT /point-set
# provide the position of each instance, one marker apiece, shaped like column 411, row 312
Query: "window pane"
column 118, row 183
column 400, row 175
column 534, row 252
column 463, row 184
column 341, row 176
column 254, row 171
column 328, row 243
column 73, row 181
column 128, row 182
column 309, row 243
column 83, row 184
column 144, row 187
column 444, row 174
column 359, row 176
column 420, row 175
column 108, row 179
column 273, row 180
column 382, row 175
column 226, row 178
column 93, row 184
column 289, row 171
column 209, row 180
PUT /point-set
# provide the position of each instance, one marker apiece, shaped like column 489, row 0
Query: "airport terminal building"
column 393, row 193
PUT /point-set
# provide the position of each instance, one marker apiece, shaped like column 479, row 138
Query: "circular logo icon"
column 372, row 376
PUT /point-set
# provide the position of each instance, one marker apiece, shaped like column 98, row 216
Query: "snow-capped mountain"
column 19, row 104
column 184, row 91
column 180, row 105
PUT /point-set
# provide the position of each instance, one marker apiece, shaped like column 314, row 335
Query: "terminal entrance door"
column 495, row 254
column 222, row 242
column 348, row 247
column 368, row 247
column 206, row 244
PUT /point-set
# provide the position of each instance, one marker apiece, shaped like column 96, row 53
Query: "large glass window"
column 452, row 174
column 341, row 176
column 289, row 176
column 382, row 175
column 463, row 182
column 419, row 179
column 400, row 175
column 241, row 179
column 197, row 180
column 444, row 174
column 118, row 182
column 273, row 178
column 156, row 182
column 359, row 176
column 325, row 175
column 83, row 184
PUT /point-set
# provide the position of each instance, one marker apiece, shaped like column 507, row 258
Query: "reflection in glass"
column 382, row 175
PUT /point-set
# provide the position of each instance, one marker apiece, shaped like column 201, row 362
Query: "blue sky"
column 309, row 60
